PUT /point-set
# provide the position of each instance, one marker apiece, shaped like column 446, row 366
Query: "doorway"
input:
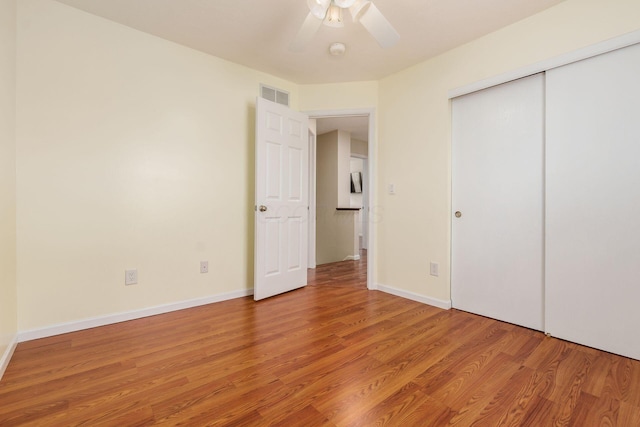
column 359, row 125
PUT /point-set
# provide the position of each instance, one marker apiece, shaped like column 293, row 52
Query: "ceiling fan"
column 329, row 12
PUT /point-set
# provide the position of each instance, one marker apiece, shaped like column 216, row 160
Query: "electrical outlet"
column 130, row 277
column 204, row 266
column 434, row 269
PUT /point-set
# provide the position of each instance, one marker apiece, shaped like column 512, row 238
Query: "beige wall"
column 344, row 166
column 8, row 301
column 133, row 152
column 335, row 230
column 339, row 96
column 414, row 123
column 359, row 148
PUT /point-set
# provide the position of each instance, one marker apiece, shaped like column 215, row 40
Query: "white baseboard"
column 444, row 304
column 6, row 356
column 63, row 328
column 352, row 258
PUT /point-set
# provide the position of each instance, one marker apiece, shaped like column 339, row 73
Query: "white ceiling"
column 257, row 33
column 358, row 126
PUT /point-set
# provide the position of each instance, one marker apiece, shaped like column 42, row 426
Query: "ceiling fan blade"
column 381, row 30
column 309, row 27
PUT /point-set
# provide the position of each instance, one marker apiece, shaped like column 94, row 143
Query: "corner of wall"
column 8, row 284
column 6, row 356
column 435, row 302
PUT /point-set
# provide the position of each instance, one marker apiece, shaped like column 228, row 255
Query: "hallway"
column 349, row 274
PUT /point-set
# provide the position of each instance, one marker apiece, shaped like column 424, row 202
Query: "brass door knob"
column 458, row 214
column 262, row 208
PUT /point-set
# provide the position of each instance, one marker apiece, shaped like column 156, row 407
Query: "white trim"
column 443, row 304
column 371, row 201
column 92, row 322
column 366, row 207
column 352, row 258
column 371, row 150
column 311, row 252
column 555, row 62
column 353, row 112
column 6, row 357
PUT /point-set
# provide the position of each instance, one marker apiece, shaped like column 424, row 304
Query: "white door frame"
column 311, row 263
column 371, row 190
column 365, row 199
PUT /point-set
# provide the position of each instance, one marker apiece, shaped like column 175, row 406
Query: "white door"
column 593, row 202
column 497, row 202
column 282, row 199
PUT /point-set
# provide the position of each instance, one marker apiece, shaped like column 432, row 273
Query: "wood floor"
column 330, row 354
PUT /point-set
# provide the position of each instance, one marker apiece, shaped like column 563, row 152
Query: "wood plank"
column 331, row 354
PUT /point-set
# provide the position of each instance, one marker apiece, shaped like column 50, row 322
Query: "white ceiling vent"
column 275, row 95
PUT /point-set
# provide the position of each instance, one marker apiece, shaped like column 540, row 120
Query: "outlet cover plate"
column 434, row 269
column 204, row 266
column 131, row 277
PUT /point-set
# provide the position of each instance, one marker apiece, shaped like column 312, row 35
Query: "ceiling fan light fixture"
column 358, row 9
column 334, row 17
column 318, row 8
column 345, row 4
column 329, row 12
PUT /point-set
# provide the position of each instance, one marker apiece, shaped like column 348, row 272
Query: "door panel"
column 281, row 199
column 273, row 176
column 593, row 202
column 295, row 171
column 272, row 246
column 497, row 186
column 294, row 261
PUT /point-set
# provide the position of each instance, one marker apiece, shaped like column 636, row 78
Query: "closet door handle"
column 458, row 214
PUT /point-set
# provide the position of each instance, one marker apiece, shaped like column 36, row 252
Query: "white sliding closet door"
column 497, row 184
column 593, row 202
